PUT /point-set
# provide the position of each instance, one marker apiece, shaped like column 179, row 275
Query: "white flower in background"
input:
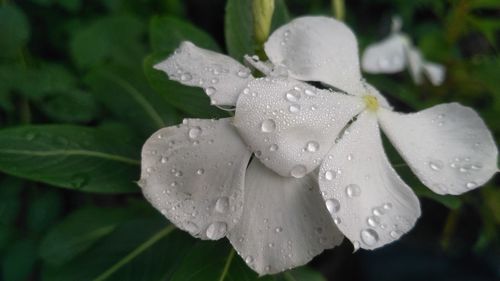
column 395, row 53
column 303, row 189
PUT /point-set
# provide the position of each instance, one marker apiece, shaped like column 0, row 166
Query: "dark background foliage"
column 78, row 97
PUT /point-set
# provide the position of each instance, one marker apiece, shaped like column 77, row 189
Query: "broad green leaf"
column 113, row 38
column 74, row 157
column 69, row 106
column 14, row 30
column 10, row 199
column 188, row 99
column 44, row 209
column 281, row 15
column 70, row 5
column 238, row 23
column 128, row 96
column 18, row 262
column 78, row 232
column 138, row 250
column 166, row 33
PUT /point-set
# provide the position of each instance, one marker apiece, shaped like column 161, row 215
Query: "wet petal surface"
column 194, row 175
column 284, row 222
column 367, row 199
column 387, row 56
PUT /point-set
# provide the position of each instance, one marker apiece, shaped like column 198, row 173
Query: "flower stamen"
column 371, row 103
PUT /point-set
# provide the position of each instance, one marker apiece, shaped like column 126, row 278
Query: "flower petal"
column 291, row 125
column 317, row 49
column 447, row 146
column 370, row 203
column 194, row 174
column 387, row 56
column 415, row 65
column 435, row 72
column 284, row 222
column 222, row 77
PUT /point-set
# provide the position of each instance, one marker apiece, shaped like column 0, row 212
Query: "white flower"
column 395, row 53
column 304, row 189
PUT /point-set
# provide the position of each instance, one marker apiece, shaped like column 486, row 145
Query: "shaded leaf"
column 238, row 23
column 44, row 209
column 14, row 30
column 72, row 157
column 19, row 260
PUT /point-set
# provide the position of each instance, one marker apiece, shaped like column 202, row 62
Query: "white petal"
column 363, row 193
column 387, row 56
column 435, row 72
column 291, row 125
column 415, row 65
column 447, row 146
column 222, row 77
column 194, row 174
column 317, row 49
column 284, row 222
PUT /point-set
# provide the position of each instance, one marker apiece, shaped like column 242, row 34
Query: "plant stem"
column 338, row 9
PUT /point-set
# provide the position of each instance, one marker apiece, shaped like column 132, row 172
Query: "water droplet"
column 436, row 165
column 249, row 259
column 476, row 166
column 356, row 246
column 471, row 184
column 278, row 229
column 271, row 245
column 309, row 92
column 292, row 96
column 330, row 175
column 163, row 160
column 174, row 183
column 349, row 157
column 214, row 80
column 186, row 77
column 273, row 147
column 79, row 181
column 333, row 205
column 396, row 233
column 246, row 91
column 200, row 172
column 268, row 126
column 369, row 236
column 337, row 220
column 210, row 91
column 216, row 230
column 30, row 136
column 353, row 190
column 194, row 132
column 244, row 73
column 312, row 146
column 222, row 204
column 373, row 221
column 191, row 227
column 178, row 174
column 378, row 211
column 294, row 108
column 387, row 206
column 298, row 171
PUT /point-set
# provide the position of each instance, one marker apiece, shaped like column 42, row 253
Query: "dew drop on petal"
column 471, row 184
column 249, row 259
column 294, row 108
column 332, row 205
column 273, row 147
column 210, row 91
column 436, row 165
column 298, row 171
column 200, row 172
column 186, row 77
column 396, row 234
column 330, row 175
column 353, row 190
column 278, row 229
column 268, row 126
column 194, row 132
column 312, row 146
column 216, row 230
column 369, row 236
column 373, row 221
column 292, row 96
column 222, row 204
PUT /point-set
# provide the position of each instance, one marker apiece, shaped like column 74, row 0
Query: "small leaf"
column 239, row 28
column 44, row 209
column 78, row 232
column 14, row 30
column 19, row 260
column 72, row 157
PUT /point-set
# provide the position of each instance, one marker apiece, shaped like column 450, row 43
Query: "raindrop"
column 268, row 126
column 471, row 184
column 333, row 205
column 330, row 175
column 476, row 166
column 294, row 108
column 186, row 77
column 163, row 160
column 356, row 245
column 373, row 221
column 337, row 220
column 436, row 165
column 387, row 206
column 210, row 91
column 194, row 132
column 216, row 230
column 312, row 146
column 273, row 147
column 178, row 174
column 353, row 190
column 249, row 259
column 191, row 227
column 369, row 236
column 378, row 211
column 292, row 96
column 396, row 234
column 200, row 172
column 222, row 204
column 214, row 80
column 244, row 73
column 309, row 92
column 246, row 91
column 349, row 157
column 278, row 229
column 298, row 171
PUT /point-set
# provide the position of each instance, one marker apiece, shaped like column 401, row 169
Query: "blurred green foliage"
column 79, row 96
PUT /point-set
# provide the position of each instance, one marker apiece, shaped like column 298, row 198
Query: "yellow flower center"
column 371, row 102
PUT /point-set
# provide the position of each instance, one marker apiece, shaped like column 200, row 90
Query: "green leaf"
column 138, row 250
column 188, row 99
column 19, row 261
column 128, row 96
column 281, row 15
column 72, row 157
column 113, row 38
column 166, row 33
column 70, row 5
column 78, row 232
column 449, row 201
column 238, row 23
column 44, row 209
column 69, row 106
column 301, row 274
column 14, row 30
